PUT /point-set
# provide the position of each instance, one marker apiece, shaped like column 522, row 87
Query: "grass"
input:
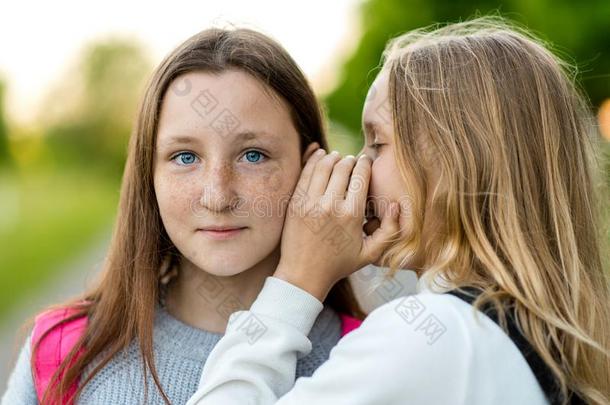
column 46, row 218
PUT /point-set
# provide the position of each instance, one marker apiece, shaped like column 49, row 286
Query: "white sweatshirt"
column 427, row 348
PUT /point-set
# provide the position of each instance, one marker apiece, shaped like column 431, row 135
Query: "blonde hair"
column 510, row 135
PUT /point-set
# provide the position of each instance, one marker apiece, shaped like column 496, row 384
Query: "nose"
column 363, row 152
column 218, row 194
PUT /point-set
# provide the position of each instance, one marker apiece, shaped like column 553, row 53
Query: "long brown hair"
column 121, row 307
column 501, row 119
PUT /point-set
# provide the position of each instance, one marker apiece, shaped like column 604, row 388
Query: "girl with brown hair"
column 216, row 151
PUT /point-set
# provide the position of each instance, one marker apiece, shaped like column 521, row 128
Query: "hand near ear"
column 311, row 148
column 323, row 240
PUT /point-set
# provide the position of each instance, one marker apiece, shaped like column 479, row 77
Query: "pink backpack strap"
column 348, row 324
column 55, row 346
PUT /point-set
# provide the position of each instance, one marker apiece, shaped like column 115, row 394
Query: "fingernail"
column 334, row 153
column 320, row 152
column 349, row 157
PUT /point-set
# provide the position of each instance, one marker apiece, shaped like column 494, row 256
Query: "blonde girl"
column 477, row 131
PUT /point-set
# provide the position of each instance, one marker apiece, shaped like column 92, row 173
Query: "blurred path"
column 81, row 271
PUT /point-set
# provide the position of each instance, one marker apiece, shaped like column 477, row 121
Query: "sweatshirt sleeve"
column 254, row 363
column 415, row 350
column 20, row 389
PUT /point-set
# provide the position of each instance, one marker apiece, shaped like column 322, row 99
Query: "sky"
column 41, row 39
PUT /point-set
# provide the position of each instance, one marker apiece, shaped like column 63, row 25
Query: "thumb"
column 375, row 244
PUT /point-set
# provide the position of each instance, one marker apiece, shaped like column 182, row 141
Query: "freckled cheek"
column 267, row 192
column 396, row 191
column 386, row 186
column 176, row 198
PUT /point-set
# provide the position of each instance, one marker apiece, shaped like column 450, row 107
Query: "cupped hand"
column 323, row 239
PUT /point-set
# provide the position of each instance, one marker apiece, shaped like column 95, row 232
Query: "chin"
column 229, row 264
column 223, row 268
column 228, row 258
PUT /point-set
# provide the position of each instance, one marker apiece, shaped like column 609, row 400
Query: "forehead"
column 229, row 102
column 376, row 114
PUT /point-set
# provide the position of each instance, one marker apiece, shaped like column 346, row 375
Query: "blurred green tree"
column 5, row 158
column 89, row 115
column 579, row 30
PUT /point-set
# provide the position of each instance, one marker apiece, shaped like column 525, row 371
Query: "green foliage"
column 4, row 151
column 97, row 106
column 64, row 188
column 578, row 29
column 47, row 217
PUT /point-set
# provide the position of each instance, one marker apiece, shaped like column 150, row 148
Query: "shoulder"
column 428, row 340
column 440, row 326
column 55, row 332
column 423, row 327
column 431, row 319
column 47, row 320
column 20, row 387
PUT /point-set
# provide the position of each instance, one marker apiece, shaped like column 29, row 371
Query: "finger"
column 308, row 152
column 374, row 245
column 321, row 175
column 359, row 184
column 340, row 177
column 307, row 172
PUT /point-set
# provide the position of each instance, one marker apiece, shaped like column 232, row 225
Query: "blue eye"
column 185, row 158
column 254, row 156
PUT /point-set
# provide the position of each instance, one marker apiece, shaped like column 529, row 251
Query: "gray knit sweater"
column 180, row 352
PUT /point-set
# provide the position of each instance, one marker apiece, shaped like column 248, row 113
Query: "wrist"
column 283, row 301
column 317, row 288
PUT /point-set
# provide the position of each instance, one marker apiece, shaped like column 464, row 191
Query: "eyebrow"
column 244, row 135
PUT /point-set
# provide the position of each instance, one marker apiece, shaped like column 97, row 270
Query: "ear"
column 308, row 152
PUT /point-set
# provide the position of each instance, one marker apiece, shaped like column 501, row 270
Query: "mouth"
column 372, row 221
column 221, row 232
column 370, row 212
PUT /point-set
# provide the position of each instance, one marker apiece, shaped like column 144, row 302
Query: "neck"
column 206, row 301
